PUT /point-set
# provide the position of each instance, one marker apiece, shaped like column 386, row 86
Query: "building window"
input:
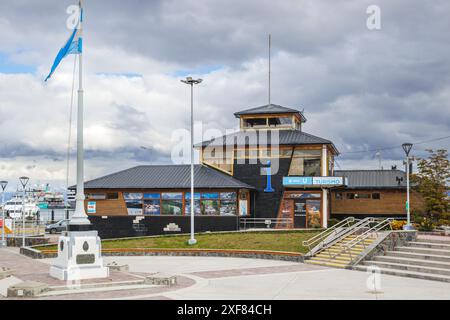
column 256, row 122
column 280, row 122
column 133, row 202
column 228, row 203
column 210, row 207
column 210, row 203
column 96, row 196
column 187, row 203
column 306, row 163
column 152, row 203
column 228, row 208
column 338, row 195
column 358, row 195
column 376, row 196
column 228, row 196
column 112, row 195
column 172, row 203
column 212, row 195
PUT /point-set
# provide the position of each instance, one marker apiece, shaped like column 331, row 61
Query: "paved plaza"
column 232, row 278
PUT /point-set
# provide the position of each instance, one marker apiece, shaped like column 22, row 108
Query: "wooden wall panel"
column 391, row 202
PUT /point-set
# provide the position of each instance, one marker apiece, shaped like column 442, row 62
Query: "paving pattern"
column 221, row 278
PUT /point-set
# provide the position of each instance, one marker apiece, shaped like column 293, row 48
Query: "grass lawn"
column 270, row 240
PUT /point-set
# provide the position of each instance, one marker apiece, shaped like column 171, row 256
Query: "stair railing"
column 360, row 239
column 340, row 234
column 320, row 240
column 357, row 228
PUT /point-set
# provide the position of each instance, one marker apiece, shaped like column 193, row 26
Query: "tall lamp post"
column 3, row 184
column 191, row 82
column 407, row 148
column 23, row 181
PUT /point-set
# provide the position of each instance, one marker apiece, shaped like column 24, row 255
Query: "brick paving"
column 28, row 269
column 234, row 278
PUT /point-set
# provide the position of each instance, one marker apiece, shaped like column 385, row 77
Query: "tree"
column 431, row 182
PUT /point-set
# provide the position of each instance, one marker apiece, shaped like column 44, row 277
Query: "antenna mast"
column 270, row 45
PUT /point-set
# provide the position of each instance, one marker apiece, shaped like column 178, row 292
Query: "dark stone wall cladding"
column 137, row 226
column 264, row 204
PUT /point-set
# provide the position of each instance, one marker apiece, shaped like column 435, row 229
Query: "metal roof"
column 285, row 137
column 166, row 177
column 269, row 108
column 373, row 178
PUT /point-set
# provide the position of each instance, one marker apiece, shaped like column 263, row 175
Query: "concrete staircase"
column 334, row 255
column 422, row 259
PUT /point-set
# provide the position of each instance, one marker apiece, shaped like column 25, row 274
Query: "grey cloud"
column 362, row 89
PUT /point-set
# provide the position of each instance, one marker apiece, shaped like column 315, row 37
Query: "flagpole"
column 79, row 220
column 80, row 242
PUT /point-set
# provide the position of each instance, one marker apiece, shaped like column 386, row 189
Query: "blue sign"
column 297, row 181
column 313, row 181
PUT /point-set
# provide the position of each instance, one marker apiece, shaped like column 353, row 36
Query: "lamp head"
column 3, row 184
column 191, row 81
column 24, row 181
column 407, row 147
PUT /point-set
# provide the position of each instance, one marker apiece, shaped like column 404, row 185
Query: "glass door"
column 313, row 209
column 300, row 213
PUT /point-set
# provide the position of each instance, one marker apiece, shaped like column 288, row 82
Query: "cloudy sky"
column 363, row 89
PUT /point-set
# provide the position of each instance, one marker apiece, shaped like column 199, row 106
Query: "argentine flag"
column 74, row 45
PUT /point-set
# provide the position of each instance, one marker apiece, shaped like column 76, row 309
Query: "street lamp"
column 3, row 184
column 191, row 82
column 23, row 181
column 407, row 148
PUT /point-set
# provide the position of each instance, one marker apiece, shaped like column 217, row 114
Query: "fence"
column 31, row 228
column 268, row 223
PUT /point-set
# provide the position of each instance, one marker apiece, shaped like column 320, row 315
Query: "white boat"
column 13, row 208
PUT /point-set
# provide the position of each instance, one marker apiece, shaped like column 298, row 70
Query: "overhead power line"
column 394, row 147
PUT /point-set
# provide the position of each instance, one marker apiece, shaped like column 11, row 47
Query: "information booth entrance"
column 305, row 208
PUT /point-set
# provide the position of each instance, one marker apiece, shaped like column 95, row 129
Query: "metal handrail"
column 319, row 239
column 346, row 247
column 262, row 221
column 326, row 243
column 357, row 227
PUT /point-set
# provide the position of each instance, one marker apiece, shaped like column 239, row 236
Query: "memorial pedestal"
column 79, row 257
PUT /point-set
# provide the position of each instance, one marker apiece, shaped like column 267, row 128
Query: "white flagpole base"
column 79, row 257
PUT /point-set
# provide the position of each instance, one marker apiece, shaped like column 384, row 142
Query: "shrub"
column 426, row 225
column 398, row 224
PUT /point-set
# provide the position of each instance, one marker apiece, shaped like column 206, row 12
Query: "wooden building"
column 270, row 170
column 374, row 193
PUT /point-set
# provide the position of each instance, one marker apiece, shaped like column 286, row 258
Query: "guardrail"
column 268, row 223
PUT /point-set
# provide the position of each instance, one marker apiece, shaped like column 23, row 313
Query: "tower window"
column 257, row 122
column 280, row 121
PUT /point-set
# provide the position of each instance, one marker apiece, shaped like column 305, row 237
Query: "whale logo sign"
column 268, row 179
